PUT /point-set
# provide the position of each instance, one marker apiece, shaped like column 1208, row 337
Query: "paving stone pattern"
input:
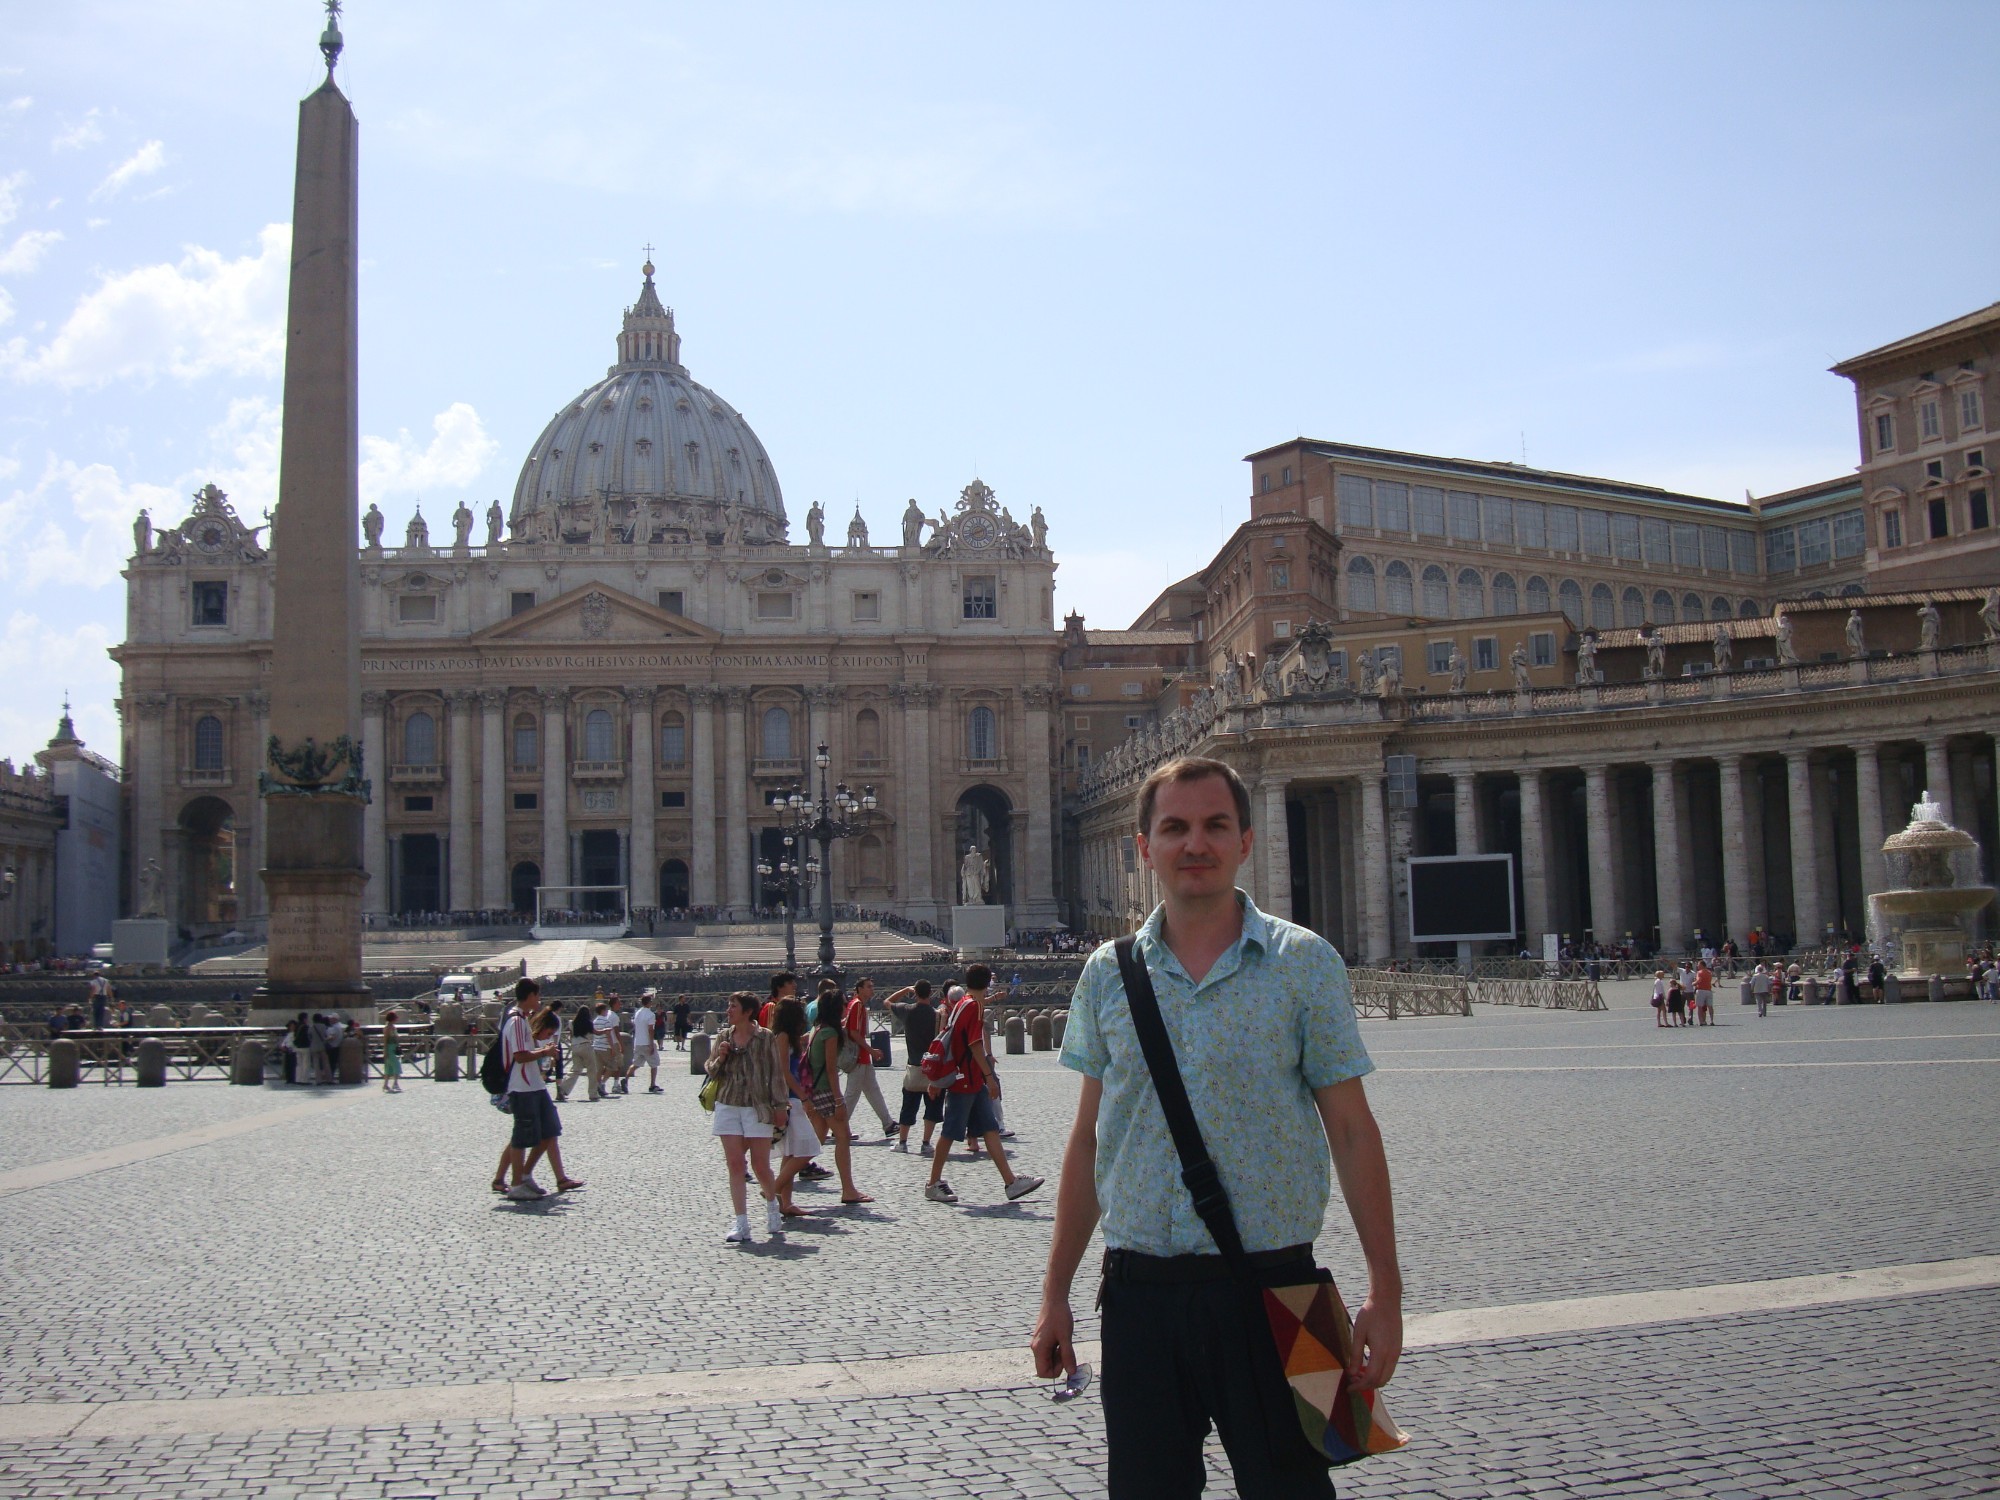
column 41, row 1124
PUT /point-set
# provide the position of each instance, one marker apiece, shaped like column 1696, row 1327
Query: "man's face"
column 865, row 991
column 787, row 991
column 1196, row 845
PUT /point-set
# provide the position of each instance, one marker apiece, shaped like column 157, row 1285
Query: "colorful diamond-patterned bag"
column 1308, row 1322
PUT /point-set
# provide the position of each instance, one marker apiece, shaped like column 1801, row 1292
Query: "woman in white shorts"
column 751, row 1104
column 799, row 1142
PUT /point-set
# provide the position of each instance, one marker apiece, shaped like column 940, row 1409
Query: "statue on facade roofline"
column 1038, row 529
column 1928, row 623
column 371, row 527
column 496, row 524
column 914, row 521
column 1724, row 647
column 816, row 525
column 1456, row 666
column 1586, row 659
column 1518, row 660
column 1781, row 634
column 1656, row 654
column 142, row 533
column 461, row 526
column 1989, row 615
column 1856, row 643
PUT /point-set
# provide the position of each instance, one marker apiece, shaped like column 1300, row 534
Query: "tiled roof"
column 1972, row 322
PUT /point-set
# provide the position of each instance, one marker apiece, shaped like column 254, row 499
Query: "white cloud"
column 459, row 451
column 85, row 132
column 10, row 196
column 201, row 316
column 6, row 315
column 46, row 659
column 26, row 252
column 21, row 105
column 73, row 526
column 147, row 160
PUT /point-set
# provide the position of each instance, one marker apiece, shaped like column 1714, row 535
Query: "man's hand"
column 1378, row 1343
column 1054, row 1341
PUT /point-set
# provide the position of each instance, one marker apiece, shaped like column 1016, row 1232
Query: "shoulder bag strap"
column 1198, row 1172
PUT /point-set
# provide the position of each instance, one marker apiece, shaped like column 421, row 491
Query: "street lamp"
column 834, row 814
column 793, row 877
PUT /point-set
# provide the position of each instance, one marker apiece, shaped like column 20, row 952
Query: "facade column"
column 250, row 881
column 555, row 787
column 1937, row 774
column 375, row 817
column 701, row 794
column 1534, row 861
column 1276, row 896
column 459, row 855
column 1597, row 834
column 920, row 895
column 1372, row 879
column 1037, row 904
column 1667, row 858
column 1464, row 812
column 643, row 873
column 1735, row 840
column 1868, row 820
column 149, row 789
column 493, row 892
column 1807, row 917
column 736, row 801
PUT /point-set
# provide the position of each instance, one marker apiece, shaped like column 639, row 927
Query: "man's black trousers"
column 1185, row 1347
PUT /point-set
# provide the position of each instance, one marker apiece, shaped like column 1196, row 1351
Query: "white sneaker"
column 904, row 1147
column 739, row 1232
column 1020, row 1187
column 774, row 1218
column 940, row 1192
column 527, row 1190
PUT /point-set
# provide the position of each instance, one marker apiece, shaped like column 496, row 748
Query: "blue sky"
column 1094, row 254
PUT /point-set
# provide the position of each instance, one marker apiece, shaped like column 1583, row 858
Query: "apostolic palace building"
column 1682, row 717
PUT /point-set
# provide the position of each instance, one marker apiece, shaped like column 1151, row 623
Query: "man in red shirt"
column 784, row 986
column 968, row 1102
column 861, row 1077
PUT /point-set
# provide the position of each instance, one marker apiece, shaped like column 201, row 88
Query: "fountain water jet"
column 1922, row 926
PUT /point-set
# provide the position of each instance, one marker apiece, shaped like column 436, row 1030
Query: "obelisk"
column 314, row 784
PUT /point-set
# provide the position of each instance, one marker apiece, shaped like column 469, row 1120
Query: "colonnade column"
column 643, row 865
column 1534, row 860
column 736, row 802
column 555, row 786
column 1868, row 822
column 1807, row 918
column 1667, row 858
column 459, row 855
column 1038, row 902
column 374, row 820
column 701, row 794
column 493, row 891
column 1464, row 812
column 1597, row 834
column 1276, row 896
column 1937, row 774
column 1369, row 871
column 1735, row 848
column 250, row 882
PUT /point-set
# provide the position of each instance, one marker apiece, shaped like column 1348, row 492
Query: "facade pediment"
column 595, row 613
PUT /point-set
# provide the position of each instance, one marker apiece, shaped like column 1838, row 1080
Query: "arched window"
column 1691, row 609
column 982, row 734
column 597, row 741
column 1718, row 608
column 1361, row 584
column 1634, row 606
column 527, row 741
column 673, row 739
column 1571, row 594
column 208, row 743
column 420, row 740
column 1471, row 594
column 1851, row 591
column 1437, row 592
column 1538, row 595
column 1747, row 610
column 1663, row 607
column 868, row 734
column 1506, row 600
column 1400, row 589
column 1602, row 608
column 777, row 734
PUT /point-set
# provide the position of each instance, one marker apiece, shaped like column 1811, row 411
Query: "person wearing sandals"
column 751, row 1103
column 392, row 1060
column 799, row 1142
column 824, row 1055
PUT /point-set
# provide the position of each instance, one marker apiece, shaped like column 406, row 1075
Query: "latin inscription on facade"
column 625, row 661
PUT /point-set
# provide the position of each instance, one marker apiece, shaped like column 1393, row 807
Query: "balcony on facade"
column 597, row 770
column 426, row 775
column 763, row 767
column 211, row 776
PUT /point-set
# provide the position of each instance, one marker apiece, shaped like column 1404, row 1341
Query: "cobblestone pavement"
column 1536, row 1156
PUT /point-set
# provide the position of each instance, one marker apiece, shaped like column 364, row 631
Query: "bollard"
column 698, row 1054
column 708, row 1023
column 1749, row 996
column 248, row 1067
column 1056, row 1024
column 65, row 1065
column 1039, row 1031
column 1812, row 989
column 160, row 1015
column 150, row 1071
column 1936, row 989
column 353, row 1059
column 450, row 1019
column 1017, row 1035
column 444, row 1062
column 1892, row 990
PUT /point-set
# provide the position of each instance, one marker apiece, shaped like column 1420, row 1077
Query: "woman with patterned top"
column 751, row 1102
column 824, row 1057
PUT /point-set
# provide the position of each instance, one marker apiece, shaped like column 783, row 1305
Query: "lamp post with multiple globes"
column 834, row 814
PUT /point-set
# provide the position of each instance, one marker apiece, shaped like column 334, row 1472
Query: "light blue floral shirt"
column 1269, row 1023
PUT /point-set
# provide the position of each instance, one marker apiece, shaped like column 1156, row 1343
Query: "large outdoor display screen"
column 1458, row 898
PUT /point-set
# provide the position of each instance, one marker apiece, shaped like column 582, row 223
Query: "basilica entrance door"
column 599, row 851
column 420, row 882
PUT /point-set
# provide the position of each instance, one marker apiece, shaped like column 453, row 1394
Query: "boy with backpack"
column 957, row 1060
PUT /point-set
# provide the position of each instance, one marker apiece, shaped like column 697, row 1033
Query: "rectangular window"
column 1336, row 663
column 1715, row 549
column 1281, row 630
column 1892, row 528
column 417, row 608
column 1981, row 516
column 418, row 804
column 1815, row 543
column 1743, row 551
column 673, row 799
column 1531, row 523
column 1080, row 721
column 1430, row 511
column 1687, row 544
column 1968, row 411
column 673, row 744
column 774, row 606
column 1485, row 653
column 1392, row 505
column 1563, row 533
column 520, row 601
column 1657, row 546
column 1497, row 523
column 1885, row 433
column 1079, row 690
column 1597, row 533
column 1625, row 543
column 1780, row 550
column 524, row 744
column 673, row 601
column 1940, row 520
column 527, row 801
column 1131, row 689
column 1934, row 468
column 1357, row 507
column 1133, row 721
column 1927, row 421
column 1083, row 757
column 1542, row 648
column 1281, row 576
column 867, row 606
column 980, row 598
column 1464, row 516
column 1288, row 475
column 1437, row 657
column 211, row 603
column 1975, row 458
column 1850, row 534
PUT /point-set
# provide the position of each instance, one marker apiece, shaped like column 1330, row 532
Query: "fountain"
column 1922, row 926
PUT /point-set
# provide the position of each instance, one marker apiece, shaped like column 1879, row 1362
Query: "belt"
column 1173, row 1270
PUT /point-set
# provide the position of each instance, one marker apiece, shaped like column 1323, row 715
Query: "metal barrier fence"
column 200, row 1053
column 1391, row 994
column 1541, row 993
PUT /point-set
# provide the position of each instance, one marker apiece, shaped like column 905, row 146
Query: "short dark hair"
column 826, row 1012
column 525, row 989
column 747, row 1002
column 978, row 976
column 1192, row 768
column 780, row 979
column 923, row 989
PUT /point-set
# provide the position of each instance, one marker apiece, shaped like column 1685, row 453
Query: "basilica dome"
column 647, row 454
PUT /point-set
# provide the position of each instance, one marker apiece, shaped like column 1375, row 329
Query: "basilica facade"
column 617, row 680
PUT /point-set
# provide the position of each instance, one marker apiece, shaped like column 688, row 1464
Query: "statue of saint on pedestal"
column 150, row 876
column 371, row 526
column 816, row 525
column 914, row 521
column 461, row 527
column 975, row 875
column 496, row 522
